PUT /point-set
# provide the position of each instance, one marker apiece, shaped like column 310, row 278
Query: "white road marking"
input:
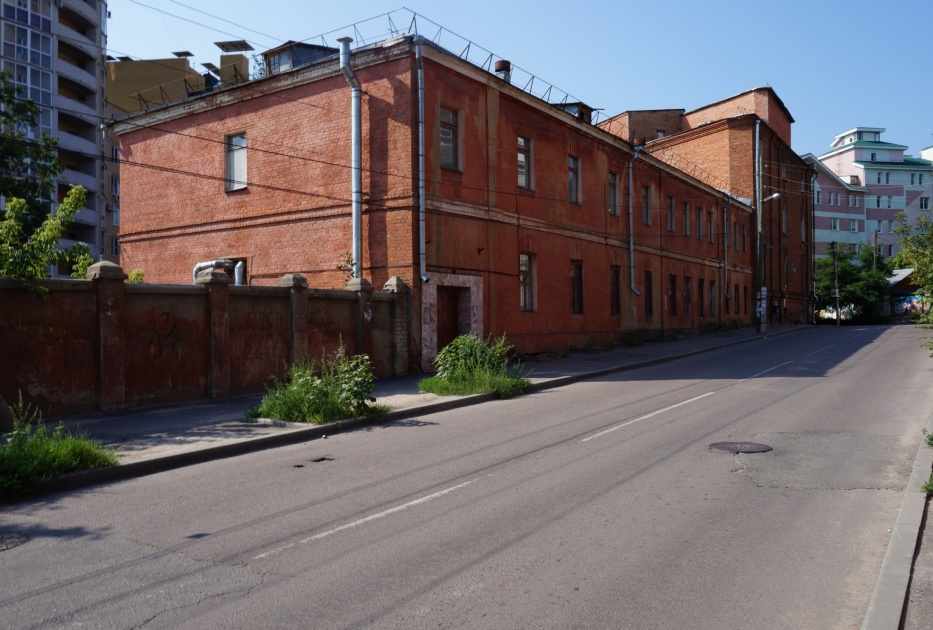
column 372, row 517
column 646, row 416
column 680, row 404
column 820, row 350
column 770, row 369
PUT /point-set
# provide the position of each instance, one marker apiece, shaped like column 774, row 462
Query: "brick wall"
column 104, row 344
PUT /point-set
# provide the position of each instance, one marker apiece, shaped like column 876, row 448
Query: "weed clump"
column 335, row 388
column 470, row 365
column 31, row 453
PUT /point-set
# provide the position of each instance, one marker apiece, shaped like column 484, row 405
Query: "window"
column 853, row 225
column 818, row 197
column 573, row 179
column 524, row 162
column 114, row 214
column 887, row 178
column 700, row 224
column 614, row 194
column 873, row 158
column 735, row 299
column 688, row 296
column 912, row 175
column 686, row 219
column 834, row 224
column 615, row 290
column 889, row 200
column 713, row 298
column 115, row 186
column 450, row 139
column 891, row 226
column 646, row 205
column 672, row 295
column 710, row 223
column 236, row 162
column 649, row 295
column 784, row 218
column 701, row 297
column 890, row 250
column 878, row 201
column 735, row 235
column 576, row 286
column 920, row 183
column 879, row 175
column 280, row 61
column 924, row 203
column 114, row 246
column 526, row 281
column 855, row 202
column 671, row 219
column 115, row 155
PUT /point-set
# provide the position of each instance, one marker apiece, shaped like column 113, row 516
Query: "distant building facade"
column 891, row 182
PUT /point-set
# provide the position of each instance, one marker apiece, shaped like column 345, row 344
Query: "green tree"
column 863, row 282
column 27, row 256
column 917, row 252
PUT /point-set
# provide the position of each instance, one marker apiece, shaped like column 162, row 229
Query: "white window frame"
column 235, row 163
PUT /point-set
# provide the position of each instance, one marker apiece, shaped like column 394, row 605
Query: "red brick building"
column 536, row 223
column 743, row 145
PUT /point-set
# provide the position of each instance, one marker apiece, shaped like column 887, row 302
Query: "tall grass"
column 470, row 365
column 31, row 453
column 334, row 388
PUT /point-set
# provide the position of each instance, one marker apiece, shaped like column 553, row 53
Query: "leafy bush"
column 470, row 365
column 30, row 452
column 136, row 277
column 338, row 387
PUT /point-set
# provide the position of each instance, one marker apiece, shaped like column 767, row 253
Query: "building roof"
column 809, row 158
column 777, row 99
column 908, row 163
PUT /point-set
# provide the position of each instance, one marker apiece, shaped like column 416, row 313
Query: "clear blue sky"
column 836, row 64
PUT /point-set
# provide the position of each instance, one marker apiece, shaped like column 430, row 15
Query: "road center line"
column 821, row 349
column 372, row 517
column 646, row 416
column 770, row 369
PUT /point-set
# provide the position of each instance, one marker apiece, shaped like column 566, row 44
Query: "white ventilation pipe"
column 211, row 264
column 356, row 153
column 239, row 274
column 422, row 244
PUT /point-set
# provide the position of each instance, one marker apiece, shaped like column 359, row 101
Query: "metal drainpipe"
column 422, row 244
column 725, row 250
column 211, row 264
column 631, row 226
column 355, row 158
column 756, row 289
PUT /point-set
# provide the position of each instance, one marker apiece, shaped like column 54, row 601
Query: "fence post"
column 364, row 315
column 401, row 314
column 218, row 310
column 298, row 317
column 111, row 321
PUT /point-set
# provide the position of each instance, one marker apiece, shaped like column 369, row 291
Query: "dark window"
column 711, row 222
column 524, row 162
column 526, row 281
column 671, row 219
column 672, row 295
column 573, row 179
column 686, row 219
column 450, row 138
column 688, row 296
column 576, row 286
column 614, row 194
column 701, row 298
column 700, row 224
column 646, row 205
column 735, row 298
column 713, row 298
column 615, row 290
column 649, row 295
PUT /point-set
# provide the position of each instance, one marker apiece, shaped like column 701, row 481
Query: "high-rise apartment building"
column 54, row 52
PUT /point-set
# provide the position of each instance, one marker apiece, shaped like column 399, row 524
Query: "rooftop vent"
column 504, row 70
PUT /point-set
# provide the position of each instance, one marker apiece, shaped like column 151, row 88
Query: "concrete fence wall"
column 106, row 345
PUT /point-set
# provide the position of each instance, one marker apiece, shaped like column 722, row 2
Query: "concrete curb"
column 889, row 599
column 142, row 468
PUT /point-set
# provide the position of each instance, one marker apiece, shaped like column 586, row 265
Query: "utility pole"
column 835, row 291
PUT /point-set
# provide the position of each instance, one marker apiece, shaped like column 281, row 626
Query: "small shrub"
column 31, row 453
column 338, row 387
column 470, row 365
column 136, row 277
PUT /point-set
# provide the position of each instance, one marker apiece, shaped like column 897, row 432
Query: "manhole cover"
column 741, row 447
column 8, row 541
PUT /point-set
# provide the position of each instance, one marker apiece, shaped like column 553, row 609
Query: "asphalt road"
column 597, row 505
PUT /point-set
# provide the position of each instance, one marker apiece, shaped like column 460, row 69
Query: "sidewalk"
column 151, row 440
